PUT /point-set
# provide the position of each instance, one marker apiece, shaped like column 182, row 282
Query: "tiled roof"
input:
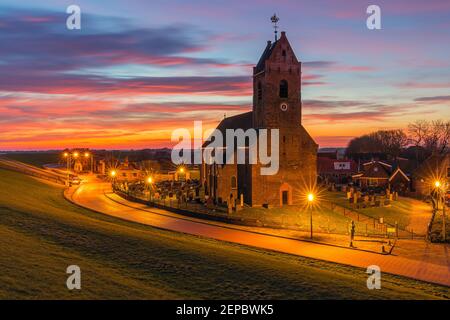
column 242, row 121
column 375, row 169
column 266, row 55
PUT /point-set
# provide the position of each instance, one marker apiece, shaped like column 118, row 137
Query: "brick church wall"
column 273, row 109
column 224, row 189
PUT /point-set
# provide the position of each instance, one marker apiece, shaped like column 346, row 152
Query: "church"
column 277, row 104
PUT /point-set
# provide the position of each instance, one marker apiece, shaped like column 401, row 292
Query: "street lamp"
column 66, row 155
column 310, row 197
column 181, row 171
column 150, row 182
column 113, row 174
column 91, row 156
column 441, row 194
column 437, row 184
column 69, row 155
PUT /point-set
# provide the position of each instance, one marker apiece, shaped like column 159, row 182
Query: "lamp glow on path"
column 310, row 198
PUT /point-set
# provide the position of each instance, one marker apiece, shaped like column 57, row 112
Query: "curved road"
column 97, row 196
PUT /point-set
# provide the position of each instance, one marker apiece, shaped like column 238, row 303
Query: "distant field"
column 42, row 234
column 34, row 158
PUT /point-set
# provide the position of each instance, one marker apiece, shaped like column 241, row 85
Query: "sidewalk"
column 414, row 259
column 360, row 243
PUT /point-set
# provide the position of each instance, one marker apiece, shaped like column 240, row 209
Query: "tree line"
column 425, row 137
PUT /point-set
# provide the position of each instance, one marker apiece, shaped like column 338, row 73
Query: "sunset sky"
column 139, row 69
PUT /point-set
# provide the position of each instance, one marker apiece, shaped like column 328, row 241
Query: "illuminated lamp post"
column 67, row 156
column 91, row 156
column 310, row 198
column 150, row 187
column 113, row 175
column 181, row 172
column 441, row 194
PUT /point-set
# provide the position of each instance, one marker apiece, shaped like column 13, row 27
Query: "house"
column 381, row 174
column 276, row 105
column 336, row 171
column 128, row 172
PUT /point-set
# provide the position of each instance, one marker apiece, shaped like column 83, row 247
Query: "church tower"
column 276, row 105
column 277, row 87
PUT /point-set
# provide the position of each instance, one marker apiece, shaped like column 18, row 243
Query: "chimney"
column 283, row 34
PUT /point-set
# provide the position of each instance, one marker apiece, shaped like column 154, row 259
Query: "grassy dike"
column 42, row 234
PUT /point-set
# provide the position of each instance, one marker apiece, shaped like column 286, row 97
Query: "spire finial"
column 274, row 20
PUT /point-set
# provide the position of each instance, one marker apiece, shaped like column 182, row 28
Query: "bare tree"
column 417, row 131
column 389, row 142
column 434, row 136
column 443, row 133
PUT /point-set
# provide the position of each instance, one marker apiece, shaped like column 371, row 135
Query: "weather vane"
column 274, row 20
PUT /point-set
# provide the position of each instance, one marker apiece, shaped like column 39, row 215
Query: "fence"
column 186, row 209
column 196, row 209
column 370, row 221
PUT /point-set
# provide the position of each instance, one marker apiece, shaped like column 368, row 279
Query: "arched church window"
column 259, row 91
column 283, row 89
column 233, row 182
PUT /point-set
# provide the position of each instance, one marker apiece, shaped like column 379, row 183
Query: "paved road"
column 94, row 195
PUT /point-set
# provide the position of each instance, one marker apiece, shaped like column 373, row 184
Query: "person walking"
column 352, row 233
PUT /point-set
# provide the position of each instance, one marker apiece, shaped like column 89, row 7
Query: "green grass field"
column 42, row 234
column 324, row 219
column 400, row 211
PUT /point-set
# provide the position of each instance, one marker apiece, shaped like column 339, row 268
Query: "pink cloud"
column 423, row 85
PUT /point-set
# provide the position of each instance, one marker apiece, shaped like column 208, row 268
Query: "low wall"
column 192, row 214
column 247, row 222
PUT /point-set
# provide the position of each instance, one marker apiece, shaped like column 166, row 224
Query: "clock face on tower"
column 284, row 106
